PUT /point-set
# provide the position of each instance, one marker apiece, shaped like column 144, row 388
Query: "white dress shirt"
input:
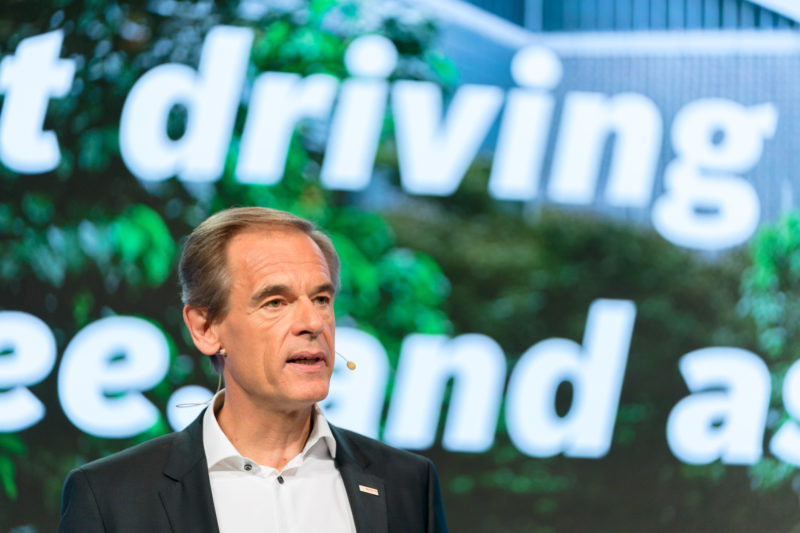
column 307, row 495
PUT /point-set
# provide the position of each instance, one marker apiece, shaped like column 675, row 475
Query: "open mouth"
column 305, row 359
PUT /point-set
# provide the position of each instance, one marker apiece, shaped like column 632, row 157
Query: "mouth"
column 306, row 359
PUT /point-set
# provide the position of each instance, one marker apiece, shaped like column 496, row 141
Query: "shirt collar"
column 320, row 431
column 219, row 449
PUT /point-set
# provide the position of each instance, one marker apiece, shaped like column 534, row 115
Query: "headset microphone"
column 351, row 365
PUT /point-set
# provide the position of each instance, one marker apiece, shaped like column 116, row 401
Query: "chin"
column 314, row 394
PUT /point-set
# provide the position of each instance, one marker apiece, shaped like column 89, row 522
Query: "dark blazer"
column 162, row 486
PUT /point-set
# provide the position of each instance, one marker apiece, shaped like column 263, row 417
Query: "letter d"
column 211, row 96
column 595, row 371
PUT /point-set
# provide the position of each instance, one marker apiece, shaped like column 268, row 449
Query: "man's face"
column 279, row 330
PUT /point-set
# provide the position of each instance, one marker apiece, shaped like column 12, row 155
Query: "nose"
column 307, row 318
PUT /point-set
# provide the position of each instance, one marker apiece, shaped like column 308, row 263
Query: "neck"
column 270, row 437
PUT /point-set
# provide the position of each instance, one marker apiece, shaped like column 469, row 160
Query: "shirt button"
column 248, row 467
column 280, row 480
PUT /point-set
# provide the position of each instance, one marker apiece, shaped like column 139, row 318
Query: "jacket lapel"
column 190, row 507
column 364, row 486
column 187, row 493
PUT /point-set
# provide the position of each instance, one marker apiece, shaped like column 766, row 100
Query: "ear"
column 203, row 333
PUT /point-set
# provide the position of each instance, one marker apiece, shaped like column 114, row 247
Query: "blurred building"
column 626, row 15
column 703, row 61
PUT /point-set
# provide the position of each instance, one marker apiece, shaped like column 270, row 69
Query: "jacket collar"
column 187, row 500
column 190, row 506
column 363, row 482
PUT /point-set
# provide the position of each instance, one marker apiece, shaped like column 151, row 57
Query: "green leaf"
column 12, row 443
column 7, row 473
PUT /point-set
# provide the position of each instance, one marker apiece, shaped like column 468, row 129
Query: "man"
column 258, row 287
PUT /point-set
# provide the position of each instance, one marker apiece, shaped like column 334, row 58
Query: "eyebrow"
column 324, row 287
column 271, row 290
column 268, row 291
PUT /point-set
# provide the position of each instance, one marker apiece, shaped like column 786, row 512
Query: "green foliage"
column 770, row 291
column 770, row 473
column 7, row 472
column 89, row 240
column 10, row 445
column 140, row 237
column 770, row 296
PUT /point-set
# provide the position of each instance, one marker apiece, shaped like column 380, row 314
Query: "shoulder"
column 121, row 492
column 180, row 449
column 97, row 491
column 137, row 461
column 377, row 451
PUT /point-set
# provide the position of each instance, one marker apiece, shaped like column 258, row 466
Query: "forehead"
column 260, row 251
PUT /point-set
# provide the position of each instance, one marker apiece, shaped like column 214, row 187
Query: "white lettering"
column 211, row 96
column 279, row 101
column 586, row 124
column 522, row 141
column 357, row 121
column 32, row 356
column 477, row 365
column 725, row 424
column 102, row 370
column 29, row 79
column 596, row 373
column 707, row 202
column 785, row 445
column 433, row 156
column 706, row 205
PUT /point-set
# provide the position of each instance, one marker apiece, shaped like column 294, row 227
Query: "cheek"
column 252, row 337
column 332, row 330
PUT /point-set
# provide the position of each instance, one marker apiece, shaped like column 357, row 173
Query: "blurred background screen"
column 569, row 232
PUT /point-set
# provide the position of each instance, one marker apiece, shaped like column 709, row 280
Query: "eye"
column 323, row 300
column 273, row 304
